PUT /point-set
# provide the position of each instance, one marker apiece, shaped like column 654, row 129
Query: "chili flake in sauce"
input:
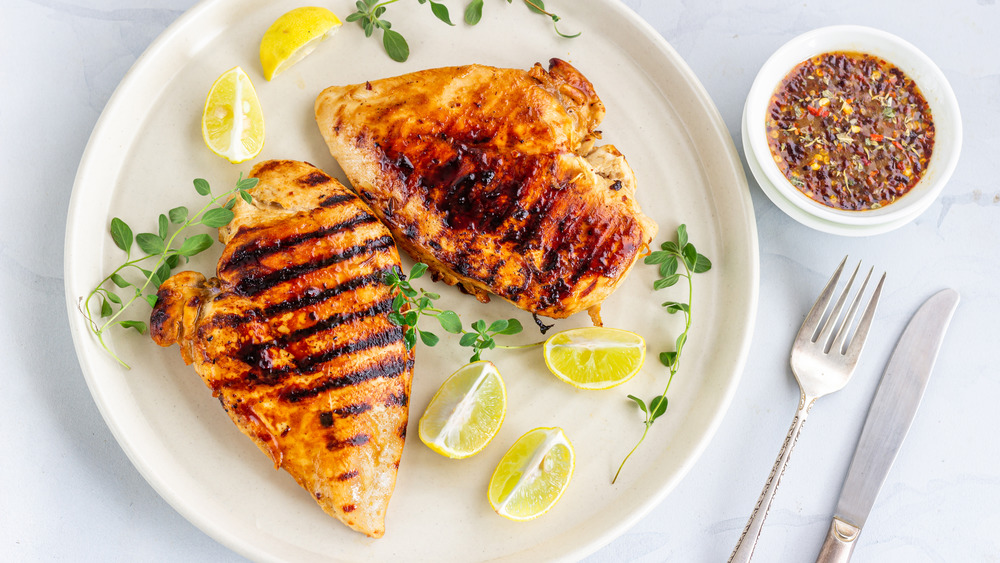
column 850, row 130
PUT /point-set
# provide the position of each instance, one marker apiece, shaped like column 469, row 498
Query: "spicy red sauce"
column 850, row 130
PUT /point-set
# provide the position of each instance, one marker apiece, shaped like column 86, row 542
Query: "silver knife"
column 889, row 418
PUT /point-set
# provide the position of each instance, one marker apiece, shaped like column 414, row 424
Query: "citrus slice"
column 293, row 36
column 594, row 357
column 232, row 123
column 466, row 412
column 532, row 475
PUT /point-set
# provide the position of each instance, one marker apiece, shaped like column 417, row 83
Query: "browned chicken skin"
column 293, row 338
column 492, row 177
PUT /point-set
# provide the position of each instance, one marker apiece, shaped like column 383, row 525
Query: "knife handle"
column 840, row 542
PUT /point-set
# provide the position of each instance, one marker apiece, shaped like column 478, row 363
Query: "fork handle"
column 748, row 540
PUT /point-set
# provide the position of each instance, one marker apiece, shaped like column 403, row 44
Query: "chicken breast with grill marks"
column 293, row 337
column 493, row 178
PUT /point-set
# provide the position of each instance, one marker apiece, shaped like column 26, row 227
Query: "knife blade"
column 889, row 418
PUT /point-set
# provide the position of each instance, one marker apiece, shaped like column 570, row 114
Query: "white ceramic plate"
column 147, row 149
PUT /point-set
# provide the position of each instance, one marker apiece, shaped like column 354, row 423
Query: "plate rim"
column 84, row 345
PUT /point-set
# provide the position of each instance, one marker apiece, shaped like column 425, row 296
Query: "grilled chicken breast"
column 293, row 337
column 492, row 177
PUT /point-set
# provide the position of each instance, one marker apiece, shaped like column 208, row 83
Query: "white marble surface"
column 67, row 491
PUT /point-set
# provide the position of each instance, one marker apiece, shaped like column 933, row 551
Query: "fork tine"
column 811, row 323
column 845, row 327
column 861, row 334
column 831, row 321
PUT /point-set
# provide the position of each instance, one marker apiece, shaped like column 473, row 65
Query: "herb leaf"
column 395, row 45
column 474, row 12
column 417, row 270
column 440, row 11
column 201, row 186
column 638, row 401
column 450, row 322
column 178, row 215
column 163, row 226
column 150, row 243
column 513, row 327
column 537, row 6
column 657, row 406
column 195, row 244
column 137, row 325
column 218, row 217
column 429, row 338
column 121, row 234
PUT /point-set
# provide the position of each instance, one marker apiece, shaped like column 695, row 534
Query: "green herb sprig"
column 672, row 255
column 410, row 304
column 369, row 15
column 474, row 13
column 158, row 248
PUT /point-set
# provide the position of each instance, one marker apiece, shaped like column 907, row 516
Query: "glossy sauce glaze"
column 493, row 178
column 850, row 130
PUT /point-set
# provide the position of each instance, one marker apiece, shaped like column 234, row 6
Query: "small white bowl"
column 933, row 85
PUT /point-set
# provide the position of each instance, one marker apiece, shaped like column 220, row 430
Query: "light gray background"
column 67, row 491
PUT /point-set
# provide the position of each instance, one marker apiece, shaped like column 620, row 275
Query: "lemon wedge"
column 466, row 412
column 532, row 475
column 594, row 357
column 232, row 123
column 293, row 36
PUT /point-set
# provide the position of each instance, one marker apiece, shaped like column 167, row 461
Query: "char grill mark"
column 258, row 354
column 564, row 248
column 312, row 298
column 260, row 357
column 336, row 200
column 261, row 247
column 392, row 335
column 301, row 301
column 395, row 400
column 347, row 475
column 314, row 179
column 529, row 235
column 352, row 410
column 353, row 441
column 378, row 308
column 252, row 285
column 388, row 369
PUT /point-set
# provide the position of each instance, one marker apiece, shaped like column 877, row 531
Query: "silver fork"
column 822, row 361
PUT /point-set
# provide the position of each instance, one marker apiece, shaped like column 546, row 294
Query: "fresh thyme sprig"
column 672, row 255
column 369, row 16
column 410, row 304
column 158, row 247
